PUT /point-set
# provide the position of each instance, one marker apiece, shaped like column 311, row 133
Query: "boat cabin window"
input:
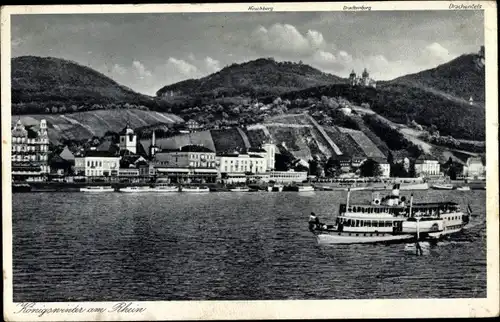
column 374, row 223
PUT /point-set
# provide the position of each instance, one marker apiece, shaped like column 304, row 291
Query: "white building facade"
column 474, row 168
column 426, row 168
column 29, row 153
column 97, row 164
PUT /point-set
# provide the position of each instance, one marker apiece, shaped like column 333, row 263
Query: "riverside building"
column 188, row 164
column 94, row 163
column 427, row 168
column 29, row 155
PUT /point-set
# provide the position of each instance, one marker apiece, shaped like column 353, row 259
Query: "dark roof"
column 235, row 155
column 102, row 154
column 257, row 150
column 189, row 148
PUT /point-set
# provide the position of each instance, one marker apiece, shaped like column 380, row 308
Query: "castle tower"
column 365, row 78
column 128, row 139
column 153, row 148
column 352, row 78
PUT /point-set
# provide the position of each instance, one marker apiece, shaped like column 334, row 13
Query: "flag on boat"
column 469, row 209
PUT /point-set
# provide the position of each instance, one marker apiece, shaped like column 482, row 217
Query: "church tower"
column 153, row 148
column 128, row 139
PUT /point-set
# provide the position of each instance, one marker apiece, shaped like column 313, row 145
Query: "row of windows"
column 364, row 223
column 364, row 234
column 33, row 148
column 287, row 175
column 202, row 164
column 240, row 169
column 31, row 157
column 197, row 156
column 29, row 140
column 95, row 163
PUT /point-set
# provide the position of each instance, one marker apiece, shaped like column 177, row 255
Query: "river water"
column 224, row 246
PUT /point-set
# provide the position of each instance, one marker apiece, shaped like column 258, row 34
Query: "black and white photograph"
column 196, row 154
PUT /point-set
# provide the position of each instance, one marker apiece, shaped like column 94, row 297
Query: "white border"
column 291, row 309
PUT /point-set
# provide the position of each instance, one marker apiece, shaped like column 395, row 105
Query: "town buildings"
column 190, row 163
column 474, row 168
column 427, row 168
column 94, row 163
column 29, row 155
column 235, row 167
column 385, row 167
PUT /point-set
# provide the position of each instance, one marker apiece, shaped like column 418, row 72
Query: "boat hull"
column 199, row 190
column 240, row 190
column 349, row 238
column 97, row 190
column 165, row 190
column 131, row 190
column 306, row 189
column 442, row 187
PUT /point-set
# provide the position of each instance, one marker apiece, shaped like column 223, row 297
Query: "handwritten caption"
column 465, row 6
column 41, row 309
column 260, row 8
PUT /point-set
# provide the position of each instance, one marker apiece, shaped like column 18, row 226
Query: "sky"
column 148, row 51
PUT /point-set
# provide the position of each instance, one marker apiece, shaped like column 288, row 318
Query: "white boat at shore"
column 305, row 188
column 389, row 220
column 97, row 189
column 239, row 189
column 442, row 186
column 195, row 189
column 275, row 187
column 464, row 188
column 138, row 189
column 165, row 188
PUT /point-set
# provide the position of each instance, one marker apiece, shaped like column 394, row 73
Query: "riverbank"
column 218, row 187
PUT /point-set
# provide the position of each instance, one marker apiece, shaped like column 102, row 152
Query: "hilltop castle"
column 364, row 80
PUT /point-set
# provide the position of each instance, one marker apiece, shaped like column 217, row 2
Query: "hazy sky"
column 148, row 51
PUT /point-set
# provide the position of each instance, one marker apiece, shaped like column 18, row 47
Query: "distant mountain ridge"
column 38, row 83
column 462, row 77
column 263, row 76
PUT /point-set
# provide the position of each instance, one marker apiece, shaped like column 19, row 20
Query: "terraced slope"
column 84, row 125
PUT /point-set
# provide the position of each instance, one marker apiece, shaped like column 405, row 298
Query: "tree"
column 332, row 167
column 370, row 168
column 390, row 158
column 398, row 171
column 314, row 167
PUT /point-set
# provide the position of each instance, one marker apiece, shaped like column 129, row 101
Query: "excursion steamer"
column 390, row 220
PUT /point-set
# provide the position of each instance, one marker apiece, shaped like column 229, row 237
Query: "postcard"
column 250, row 161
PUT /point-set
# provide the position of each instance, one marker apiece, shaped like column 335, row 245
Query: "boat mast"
column 411, row 205
column 348, row 197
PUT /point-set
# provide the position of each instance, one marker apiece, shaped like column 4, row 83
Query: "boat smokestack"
column 395, row 190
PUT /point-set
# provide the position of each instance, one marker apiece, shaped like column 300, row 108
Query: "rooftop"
column 100, row 154
column 188, row 148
